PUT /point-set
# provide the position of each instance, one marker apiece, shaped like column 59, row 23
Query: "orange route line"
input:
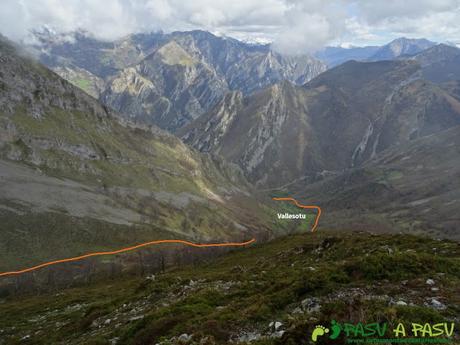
column 127, row 249
column 197, row 245
column 317, row 208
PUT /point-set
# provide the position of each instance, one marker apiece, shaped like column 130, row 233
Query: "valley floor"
column 272, row 293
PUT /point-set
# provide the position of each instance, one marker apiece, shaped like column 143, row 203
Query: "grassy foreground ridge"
column 299, row 281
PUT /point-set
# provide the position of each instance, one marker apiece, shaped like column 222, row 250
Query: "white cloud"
column 295, row 26
column 438, row 20
column 307, row 32
column 381, row 11
column 310, row 24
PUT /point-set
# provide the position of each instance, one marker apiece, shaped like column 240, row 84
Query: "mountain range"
column 260, row 124
column 285, row 132
column 169, row 79
column 400, row 47
column 370, row 135
column 172, row 79
column 355, row 134
column 77, row 177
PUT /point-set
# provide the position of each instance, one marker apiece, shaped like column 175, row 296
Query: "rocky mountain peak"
column 399, row 47
column 173, row 54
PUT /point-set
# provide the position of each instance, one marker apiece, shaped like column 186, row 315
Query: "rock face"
column 339, row 120
column 168, row 88
column 207, row 133
column 82, row 78
column 266, row 68
column 252, row 132
column 171, row 79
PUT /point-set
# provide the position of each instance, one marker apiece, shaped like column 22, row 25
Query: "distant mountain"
column 76, row 177
column 101, row 58
column 440, row 63
column 334, row 56
column 400, row 47
column 170, row 79
column 342, row 118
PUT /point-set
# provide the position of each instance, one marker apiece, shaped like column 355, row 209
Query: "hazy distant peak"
column 401, row 46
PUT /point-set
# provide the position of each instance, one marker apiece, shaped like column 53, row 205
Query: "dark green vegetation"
column 299, row 280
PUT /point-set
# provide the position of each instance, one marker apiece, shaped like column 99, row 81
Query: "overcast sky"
column 292, row 25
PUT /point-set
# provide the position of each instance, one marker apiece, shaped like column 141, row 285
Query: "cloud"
column 438, row 20
column 310, row 24
column 114, row 18
column 381, row 11
column 295, row 26
column 308, row 32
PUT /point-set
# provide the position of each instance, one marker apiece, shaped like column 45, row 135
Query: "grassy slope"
column 60, row 132
column 353, row 277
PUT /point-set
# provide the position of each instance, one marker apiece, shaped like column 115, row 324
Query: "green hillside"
column 77, row 178
column 299, row 281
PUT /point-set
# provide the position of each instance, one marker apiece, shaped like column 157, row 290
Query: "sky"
column 292, row 26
